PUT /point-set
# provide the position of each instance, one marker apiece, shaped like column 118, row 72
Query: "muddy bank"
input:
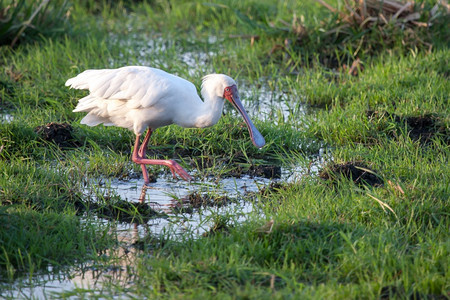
column 419, row 128
column 357, row 171
column 60, row 134
column 119, row 210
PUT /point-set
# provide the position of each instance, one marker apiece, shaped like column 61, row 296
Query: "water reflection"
column 115, row 266
column 6, row 118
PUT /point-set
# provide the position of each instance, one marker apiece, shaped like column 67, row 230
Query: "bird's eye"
column 227, row 89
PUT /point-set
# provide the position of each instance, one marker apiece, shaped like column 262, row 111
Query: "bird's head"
column 215, row 85
column 223, row 86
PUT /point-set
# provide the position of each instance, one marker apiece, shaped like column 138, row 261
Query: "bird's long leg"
column 141, row 154
column 138, row 157
column 143, row 147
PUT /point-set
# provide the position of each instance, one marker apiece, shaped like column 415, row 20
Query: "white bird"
column 137, row 98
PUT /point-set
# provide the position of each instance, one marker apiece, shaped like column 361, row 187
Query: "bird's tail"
column 82, row 80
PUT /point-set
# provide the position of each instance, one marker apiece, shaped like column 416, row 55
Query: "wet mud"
column 58, row 133
column 196, row 200
column 238, row 167
column 119, row 210
column 263, row 171
column 273, row 187
column 220, row 226
column 420, row 128
column 266, row 171
column 357, row 171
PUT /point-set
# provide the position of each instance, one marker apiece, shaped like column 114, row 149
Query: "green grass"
column 325, row 242
column 33, row 240
column 328, row 241
column 26, row 21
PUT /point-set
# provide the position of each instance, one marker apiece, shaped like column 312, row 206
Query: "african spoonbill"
column 140, row 98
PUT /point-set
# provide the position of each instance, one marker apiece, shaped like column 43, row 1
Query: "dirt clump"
column 58, row 133
column 220, row 226
column 422, row 127
column 357, row 171
column 419, row 128
column 266, row 171
column 273, row 187
column 196, row 200
column 119, row 210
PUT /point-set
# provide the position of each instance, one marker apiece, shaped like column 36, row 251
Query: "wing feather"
column 138, row 86
column 132, row 97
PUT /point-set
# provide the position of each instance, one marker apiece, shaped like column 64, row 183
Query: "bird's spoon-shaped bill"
column 232, row 95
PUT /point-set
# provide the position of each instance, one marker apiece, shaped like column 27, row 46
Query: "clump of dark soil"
column 119, row 210
column 220, row 225
column 357, row 171
column 272, row 187
column 58, row 133
column 421, row 128
column 266, row 171
column 196, row 200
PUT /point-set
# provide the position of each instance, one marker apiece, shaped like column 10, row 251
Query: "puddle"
column 154, row 51
column 88, row 277
column 6, row 118
column 163, row 196
column 273, row 105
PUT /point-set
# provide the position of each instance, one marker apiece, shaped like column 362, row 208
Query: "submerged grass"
column 309, row 238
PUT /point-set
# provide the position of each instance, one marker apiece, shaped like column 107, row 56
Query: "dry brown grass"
column 387, row 15
column 368, row 13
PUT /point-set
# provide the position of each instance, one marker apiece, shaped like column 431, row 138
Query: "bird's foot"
column 176, row 168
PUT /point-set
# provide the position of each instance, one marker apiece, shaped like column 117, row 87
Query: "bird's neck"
column 210, row 112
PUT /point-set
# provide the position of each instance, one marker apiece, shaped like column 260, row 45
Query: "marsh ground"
column 348, row 199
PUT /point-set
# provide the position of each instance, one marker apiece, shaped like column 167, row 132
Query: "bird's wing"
column 138, row 86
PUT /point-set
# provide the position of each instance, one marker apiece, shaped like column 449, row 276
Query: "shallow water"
column 92, row 278
column 166, row 193
column 274, row 105
column 161, row 195
column 6, row 118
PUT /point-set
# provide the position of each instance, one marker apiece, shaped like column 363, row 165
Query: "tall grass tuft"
column 25, row 20
column 371, row 25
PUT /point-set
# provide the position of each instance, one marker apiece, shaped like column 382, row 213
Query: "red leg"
column 139, row 158
column 143, row 148
column 141, row 153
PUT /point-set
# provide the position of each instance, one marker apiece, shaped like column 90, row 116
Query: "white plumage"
column 138, row 98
